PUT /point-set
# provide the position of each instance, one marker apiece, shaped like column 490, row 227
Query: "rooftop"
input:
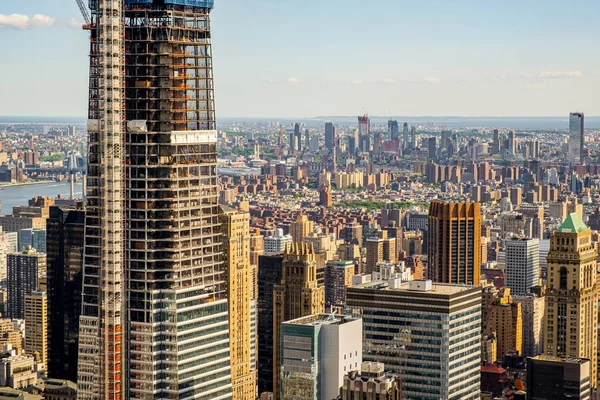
column 560, row 359
column 322, row 319
column 436, row 288
column 573, row 224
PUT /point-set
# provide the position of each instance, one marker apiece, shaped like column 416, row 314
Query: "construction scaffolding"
column 101, row 374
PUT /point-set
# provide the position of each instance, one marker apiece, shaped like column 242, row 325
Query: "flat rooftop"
column 436, row 288
column 322, row 319
column 561, row 360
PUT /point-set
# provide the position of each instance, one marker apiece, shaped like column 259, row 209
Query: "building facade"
column 522, row 265
column 454, row 235
column 316, row 352
column 423, row 329
column 242, row 331
column 65, row 233
column 571, row 323
column 36, row 325
column 298, row 294
column 26, row 274
column 371, row 383
column 551, row 377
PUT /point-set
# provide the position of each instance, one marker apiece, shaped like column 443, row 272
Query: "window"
column 563, row 278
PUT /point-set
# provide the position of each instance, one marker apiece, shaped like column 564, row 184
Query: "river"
column 11, row 196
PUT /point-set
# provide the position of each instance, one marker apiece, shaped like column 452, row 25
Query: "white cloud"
column 20, row 21
column 560, row 74
column 357, row 82
column 293, row 81
column 432, row 80
column 74, row 23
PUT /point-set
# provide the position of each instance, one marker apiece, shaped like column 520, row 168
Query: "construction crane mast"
column 85, row 14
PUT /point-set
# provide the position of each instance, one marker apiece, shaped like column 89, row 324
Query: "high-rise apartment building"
column 236, row 248
column 65, row 233
column 36, row 325
column 316, row 352
column 533, row 308
column 157, row 282
column 522, row 264
column 504, row 318
column 300, row 228
column 576, row 138
column 571, row 324
column 26, row 274
column 35, row 238
column 338, row 276
column 405, row 140
column 454, row 236
column 270, row 271
column 298, row 294
column 404, row 322
column 330, row 136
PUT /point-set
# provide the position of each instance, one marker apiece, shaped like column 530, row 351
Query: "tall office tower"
column 504, row 318
column 393, row 130
column 257, row 249
column 522, row 264
column 364, row 125
column 270, row 271
column 446, row 139
column 338, row 276
column 329, row 136
column 300, row 228
column 405, row 136
column 378, row 143
column 576, row 138
column 175, row 260
column 306, row 138
column 26, row 274
column 559, row 378
column 280, row 139
column 36, row 325
column 533, row 308
column 65, row 232
column 371, row 383
column 571, row 324
column 236, row 248
column 298, row 136
column 399, row 321
column 317, row 351
column 512, row 142
column 413, row 137
column 101, row 325
column 453, row 246
column 293, row 142
column 298, row 294
column 431, row 147
column 496, row 145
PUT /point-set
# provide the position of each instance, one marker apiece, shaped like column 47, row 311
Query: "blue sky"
column 291, row 58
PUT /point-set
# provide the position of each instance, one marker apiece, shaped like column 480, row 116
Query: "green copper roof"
column 573, row 224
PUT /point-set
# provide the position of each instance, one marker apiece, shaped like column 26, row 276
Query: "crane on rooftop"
column 85, row 14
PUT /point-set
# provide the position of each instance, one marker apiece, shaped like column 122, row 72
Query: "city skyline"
column 324, row 64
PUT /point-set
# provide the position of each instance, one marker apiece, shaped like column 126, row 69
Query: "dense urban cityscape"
column 153, row 252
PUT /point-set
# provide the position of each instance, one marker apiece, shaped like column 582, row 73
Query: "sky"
column 292, row 58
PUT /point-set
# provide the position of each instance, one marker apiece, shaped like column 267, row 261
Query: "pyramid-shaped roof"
column 573, row 224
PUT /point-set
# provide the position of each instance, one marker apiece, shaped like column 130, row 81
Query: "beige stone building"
column 571, row 323
column 298, row 294
column 242, row 334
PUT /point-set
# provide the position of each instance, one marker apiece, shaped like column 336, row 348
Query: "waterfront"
column 11, row 196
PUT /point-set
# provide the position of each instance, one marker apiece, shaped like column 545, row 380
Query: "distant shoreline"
column 7, row 185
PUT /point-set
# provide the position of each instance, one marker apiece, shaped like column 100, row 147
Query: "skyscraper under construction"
column 154, row 319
